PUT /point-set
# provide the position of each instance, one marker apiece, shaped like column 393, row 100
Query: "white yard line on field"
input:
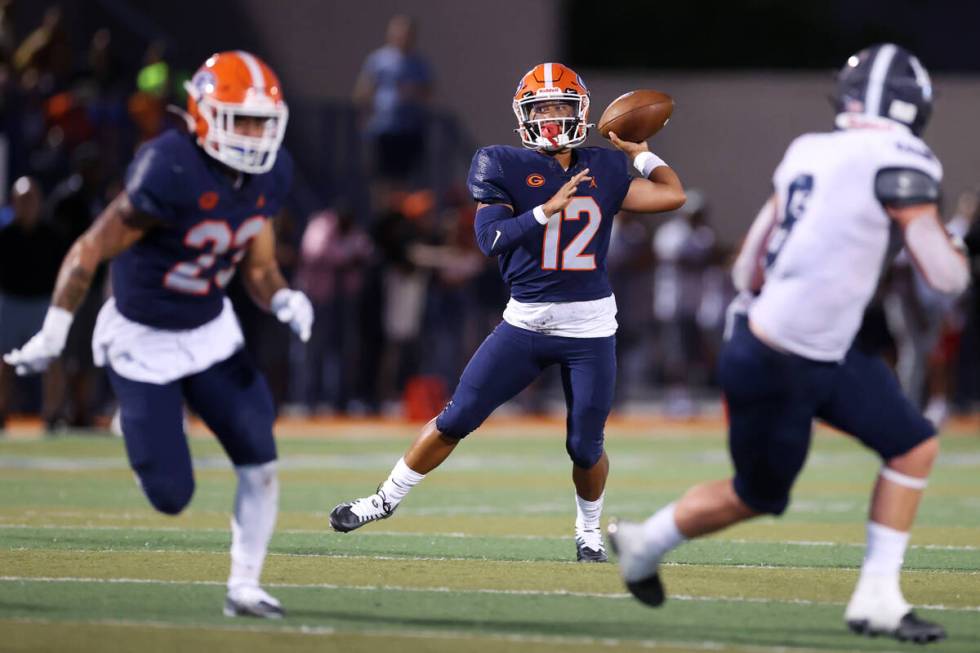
column 461, row 535
column 447, row 590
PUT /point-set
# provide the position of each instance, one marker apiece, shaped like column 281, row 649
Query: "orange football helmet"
column 550, row 83
column 237, row 84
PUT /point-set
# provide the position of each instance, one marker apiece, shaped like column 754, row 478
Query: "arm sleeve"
column 498, row 231
column 486, row 179
column 152, row 184
column 900, row 187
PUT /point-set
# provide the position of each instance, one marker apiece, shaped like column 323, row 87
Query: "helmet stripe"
column 258, row 79
column 876, row 79
column 549, row 79
column 921, row 77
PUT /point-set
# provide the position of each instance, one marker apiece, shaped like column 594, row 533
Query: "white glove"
column 45, row 346
column 293, row 308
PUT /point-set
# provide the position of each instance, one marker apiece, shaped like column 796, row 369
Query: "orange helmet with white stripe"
column 551, row 84
column 233, row 85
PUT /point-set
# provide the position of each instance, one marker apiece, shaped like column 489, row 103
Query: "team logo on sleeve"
column 208, row 200
column 535, row 180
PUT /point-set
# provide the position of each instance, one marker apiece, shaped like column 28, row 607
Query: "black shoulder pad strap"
column 905, row 187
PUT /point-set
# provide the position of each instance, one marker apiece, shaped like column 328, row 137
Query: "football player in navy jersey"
column 546, row 211
column 195, row 208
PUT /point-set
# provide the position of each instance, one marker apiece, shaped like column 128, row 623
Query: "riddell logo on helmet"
column 208, row 200
column 535, row 180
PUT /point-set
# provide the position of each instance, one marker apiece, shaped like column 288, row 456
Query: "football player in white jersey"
column 844, row 202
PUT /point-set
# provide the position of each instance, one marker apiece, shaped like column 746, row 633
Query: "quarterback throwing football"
column 546, row 211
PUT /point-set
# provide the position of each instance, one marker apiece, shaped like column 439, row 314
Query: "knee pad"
column 584, row 456
column 586, row 436
column 766, row 497
column 168, row 495
column 460, row 418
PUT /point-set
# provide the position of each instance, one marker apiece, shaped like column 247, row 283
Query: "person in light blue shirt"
column 393, row 89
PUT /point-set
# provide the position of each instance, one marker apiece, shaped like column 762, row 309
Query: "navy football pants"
column 511, row 358
column 773, row 398
column 233, row 400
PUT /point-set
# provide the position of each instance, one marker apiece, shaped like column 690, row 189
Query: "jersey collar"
column 853, row 120
column 576, row 162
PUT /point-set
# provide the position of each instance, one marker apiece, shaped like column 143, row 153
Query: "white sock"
column 402, row 479
column 587, row 513
column 885, row 552
column 660, row 532
column 256, row 507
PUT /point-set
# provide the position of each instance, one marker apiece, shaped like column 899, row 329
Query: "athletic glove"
column 45, row 346
column 293, row 308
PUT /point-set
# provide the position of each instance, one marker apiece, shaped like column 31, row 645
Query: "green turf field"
column 478, row 558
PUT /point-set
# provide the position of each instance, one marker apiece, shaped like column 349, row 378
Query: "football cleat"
column 589, row 547
column 252, row 601
column 878, row 608
column 910, row 629
column 638, row 571
column 354, row 514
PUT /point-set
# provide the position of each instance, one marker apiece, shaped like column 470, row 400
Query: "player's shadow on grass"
column 8, row 608
column 815, row 638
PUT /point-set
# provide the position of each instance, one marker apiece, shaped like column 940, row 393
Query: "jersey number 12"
column 572, row 258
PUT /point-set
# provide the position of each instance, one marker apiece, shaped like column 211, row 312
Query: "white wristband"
column 539, row 214
column 647, row 162
column 57, row 322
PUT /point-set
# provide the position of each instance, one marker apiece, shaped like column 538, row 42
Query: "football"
column 637, row 115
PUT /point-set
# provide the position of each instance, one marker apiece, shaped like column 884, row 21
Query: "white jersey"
column 832, row 236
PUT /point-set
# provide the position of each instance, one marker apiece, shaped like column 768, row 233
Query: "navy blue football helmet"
column 886, row 80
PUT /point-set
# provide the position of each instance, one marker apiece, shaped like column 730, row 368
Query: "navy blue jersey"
column 174, row 277
column 564, row 261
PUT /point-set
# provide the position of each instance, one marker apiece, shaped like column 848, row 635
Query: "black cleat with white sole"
column 910, row 629
column 352, row 515
column 590, row 552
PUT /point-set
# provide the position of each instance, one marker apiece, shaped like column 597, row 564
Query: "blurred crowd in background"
column 402, row 294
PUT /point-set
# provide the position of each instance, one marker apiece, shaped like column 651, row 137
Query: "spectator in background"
column 685, row 246
column 394, row 88
column 147, row 106
column 404, row 292
column 334, row 254
column 30, row 254
column 968, row 372
column 630, row 261
column 47, row 51
column 75, row 203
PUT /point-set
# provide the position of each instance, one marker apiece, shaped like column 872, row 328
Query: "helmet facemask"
column 556, row 131
column 245, row 153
